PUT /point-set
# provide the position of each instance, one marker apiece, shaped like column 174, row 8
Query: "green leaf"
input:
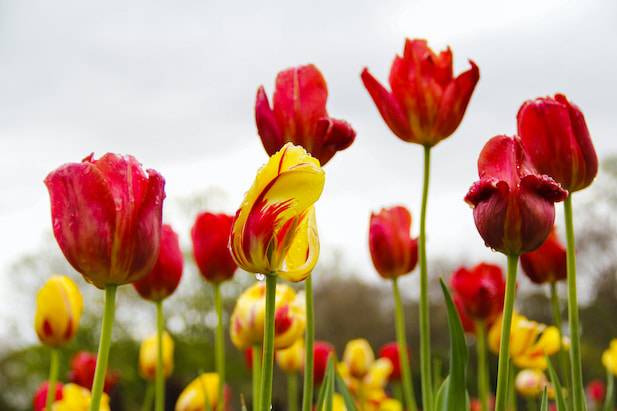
column 330, row 390
column 441, row 395
column 323, row 390
column 561, row 403
column 609, row 401
column 350, row 405
column 544, row 405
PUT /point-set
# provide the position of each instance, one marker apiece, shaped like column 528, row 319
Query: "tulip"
column 298, row 115
column 39, row 400
column 390, row 404
column 321, row 353
column 609, row 358
column 106, row 217
column 391, row 352
column 546, row 264
column 530, row 383
column 83, row 365
column 595, row 391
column 467, row 322
column 200, row 394
column 77, row 398
column 359, row 357
column 291, row 361
column 148, row 352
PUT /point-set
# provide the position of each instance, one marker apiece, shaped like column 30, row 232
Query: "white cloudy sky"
column 173, row 83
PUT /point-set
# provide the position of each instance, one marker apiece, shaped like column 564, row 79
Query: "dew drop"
column 260, row 277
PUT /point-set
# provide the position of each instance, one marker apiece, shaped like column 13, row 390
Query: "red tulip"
column 40, row 396
column 390, row 351
column 547, row 263
column 106, row 217
column 164, row 278
column 481, row 290
column 426, row 103
column 393, row 251
column 596, row 391
column 513, row 205
column 555, row 135
column 299, row 115
column 210, row 235
column 466, row 321
column 83, row 366
column 321, row 353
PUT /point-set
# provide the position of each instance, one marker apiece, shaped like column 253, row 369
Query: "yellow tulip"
column 390, row 404
column 247, row 318
column 203, row 388
column 609, row 358
column 274, row 231
column 58, row 310
column 148, row 352
column 77, row 398
column 530, row 382
column 338, row 403
column 358, row 357
column 291, row 359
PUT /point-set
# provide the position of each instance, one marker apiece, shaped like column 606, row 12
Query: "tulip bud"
column 480, row 290
column 390, row 351
column 546, row 264
column 530, row 383
column 291, row 359
column 106, row 216
column 39, row 400
column 210, row 235
column 202, row 393
column 595, row 391
column 299, row 115
column 76, row 398
column 321, row 353
column 555, row 135
column 148, row 353
column 393, row 251
column 83, row 366
column 513, row 205
column 609, row 358
column 426, row 104
column 165, row 276
column 58, row 310
column 359, row 357
column 274, row 231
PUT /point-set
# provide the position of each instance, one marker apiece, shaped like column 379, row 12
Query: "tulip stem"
column 268, row 348
column 563, row 354
column 425, row 326
column 483, row 372
column 506, row 324
column 219, row 348
column 309, row 342
column 159, row 400
column 53, row 377
column 292, row 392
column 256, row 368
column 609, row 396
column 401, row 339
column 104, row 345
column 147, row 405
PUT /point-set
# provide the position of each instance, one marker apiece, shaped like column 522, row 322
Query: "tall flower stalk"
column 483, row 372
column 268, row 347
column 53, row 378
column 309, row 354
column 159, row 400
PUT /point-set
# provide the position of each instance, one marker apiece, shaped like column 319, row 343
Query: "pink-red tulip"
column 546, row 264
column 321, row 352
column 481, row 291
column 106, row 217
column 299, row 115
column 466, row 321
column 164, row 278
column 210, row 235
column 390, row 351
column 427, row 102
column 595, row 391
column 40, row 396
column 555, row 135
column 513, row 205
column 82, row 370
column 393, row 251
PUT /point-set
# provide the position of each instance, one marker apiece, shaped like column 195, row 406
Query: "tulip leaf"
column 323, row 390
column 455, row 390
column 350, row 405
column 561, row 403
column 609, row 401
column 441, row 393
column 544, row 405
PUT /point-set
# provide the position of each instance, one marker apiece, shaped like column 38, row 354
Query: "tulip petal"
column 303, row 252
column 267, row 127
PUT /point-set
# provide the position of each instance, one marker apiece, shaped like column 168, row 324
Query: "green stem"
column 256, row 368
column 159, row 400
column 563, row 354
column 506, row 323
column 268, row 348
column 401, row 339
column 425, row 326
column 147, row 405
column 292, row 392
column 53, row 377
column 309, row 341
column 483, row 382
column 511, row 394
column 575, row 349
column 609, row 399
column 219, row 348
column 532, row 404
column 397, row 392
column 104, row 344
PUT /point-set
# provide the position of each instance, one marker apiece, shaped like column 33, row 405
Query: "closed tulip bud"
column 165, row 276
column 321, row 353
column 106, row 217
column 393, row 251
column 609, row 358
column 513, row 205
column 39, row 399
column 427, row 103
column 555, row 135
column 148, row 352
column 291, row 359
column 201, row 394
column 546, row 264
column 274, row 232
column 247, row 318
column 58, row 310
column 530, row 383
column 210, row 235
column 390, row 351
column 83, row 366
column 595, row 391
column 358, row 357
column 481, row 290
column 77, row 398
column 298, row 115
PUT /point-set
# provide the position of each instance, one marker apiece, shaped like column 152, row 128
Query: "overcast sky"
column 173, row 83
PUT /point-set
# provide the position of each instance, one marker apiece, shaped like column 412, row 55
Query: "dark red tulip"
column 390, row 351
column 164, row 278
column 555, row 135
column 481, row 291
column 427, row 102
column 210, row 235
column 596, row 391
column 321, row 353
column 39, row 399
column 468, row 325
column 546, row 264
column 106, row 217
column 393, row 251
column 83, row 366
column 513, row 205
column 299, row 115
